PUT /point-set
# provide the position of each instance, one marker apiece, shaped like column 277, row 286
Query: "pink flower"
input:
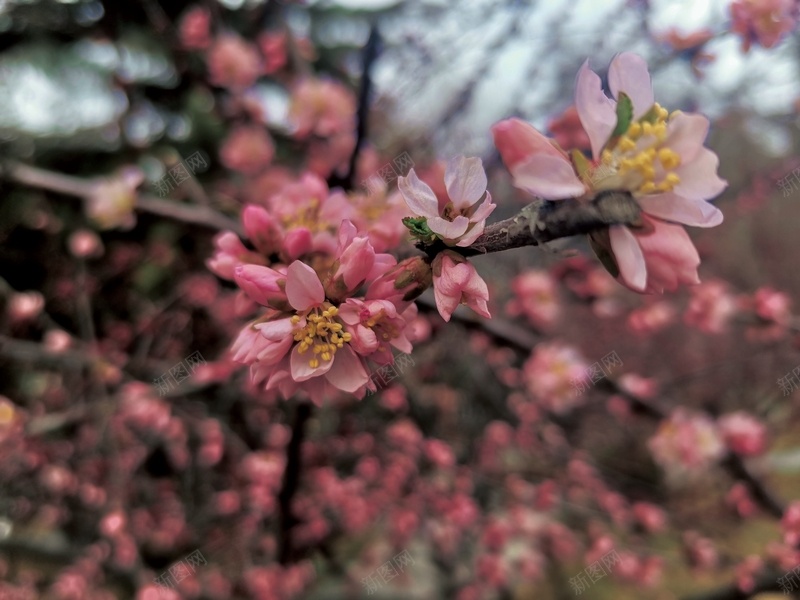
column 403, row 283
column 461, row 219
column 322, row 107
column 273, row 47
column 651, row 318
column 455, row 281
column 762, row 21
column 657, row 157
column 229, row 253
column 113, row 199
column 686, row 442
column 314, row 337
column 568, row 131
column 233, row 63
column 773, row 306
column 551, row 373
column 536, row 297
column 711, row 307
column 247, row 149
column 790, row 524
column 195, row 29
column 743, row 434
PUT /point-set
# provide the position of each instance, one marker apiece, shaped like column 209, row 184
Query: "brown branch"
column 544, row 221
column 69, row 185
column 766, row 583
column 291, row 481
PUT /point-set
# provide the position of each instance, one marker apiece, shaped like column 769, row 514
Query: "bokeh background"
column 133, row 132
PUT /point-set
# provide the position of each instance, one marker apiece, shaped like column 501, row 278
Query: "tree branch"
column 291, row 481
column 544, row 221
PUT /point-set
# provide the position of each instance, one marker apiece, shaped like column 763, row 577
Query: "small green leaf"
column 624, row 115
column 418, row 226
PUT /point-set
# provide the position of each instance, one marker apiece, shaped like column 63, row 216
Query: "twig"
column 544, row 221
column 766, row 583
column 82, row 188
column 291, row 481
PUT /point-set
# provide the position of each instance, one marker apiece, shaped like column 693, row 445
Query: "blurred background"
column 137, row 461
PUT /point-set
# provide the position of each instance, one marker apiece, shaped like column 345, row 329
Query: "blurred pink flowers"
column 763, row 21
column 233, row 63
column 686, row 442
column 639, row 148
column 461, row 218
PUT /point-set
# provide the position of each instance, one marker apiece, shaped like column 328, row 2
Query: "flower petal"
column 549, row 177
column 303, row 287
column 276, row 331
column 302, row 370
column 686, row 134
column 347, row 372
column 596, row 110
column 465, row 181
column 449, row 230
column 671, row 207
column 418, row 195
column 628, row 73
column 699, row 179
column 629, row 257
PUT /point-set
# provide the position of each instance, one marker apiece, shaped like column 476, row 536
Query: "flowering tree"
column 550, row 437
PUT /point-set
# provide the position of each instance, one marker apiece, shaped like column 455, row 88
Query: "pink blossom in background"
column 651, row 318
column 112, row 200
column 322, row 107
column 460, row 220
column 24, row 306
column 85, row 243
column 247, row 149
column 790, row 524
column 567, row 130
column 743, row 434
column 233, row 63
column 711, row 307
column 273, row 49
column 763, row 21
column 551, row 373
column 536, row 297
column 686, row 442
column 456, row 281
column 194, row 29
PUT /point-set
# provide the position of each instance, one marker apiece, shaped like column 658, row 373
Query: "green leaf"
column 418, row 226
column 624, row 115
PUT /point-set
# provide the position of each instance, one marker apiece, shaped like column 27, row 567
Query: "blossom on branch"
column 637, row 147
column 459, row 219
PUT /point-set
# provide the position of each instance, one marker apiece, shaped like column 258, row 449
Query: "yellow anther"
column 669, row 158
column 326, row 356
column 626, row 144
column 295, row 319
column 648, row 187
column 347, row 336
column 635, row 130
column 647, row 128
column 673, row 179
column 302, row 348
column 313, row 363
